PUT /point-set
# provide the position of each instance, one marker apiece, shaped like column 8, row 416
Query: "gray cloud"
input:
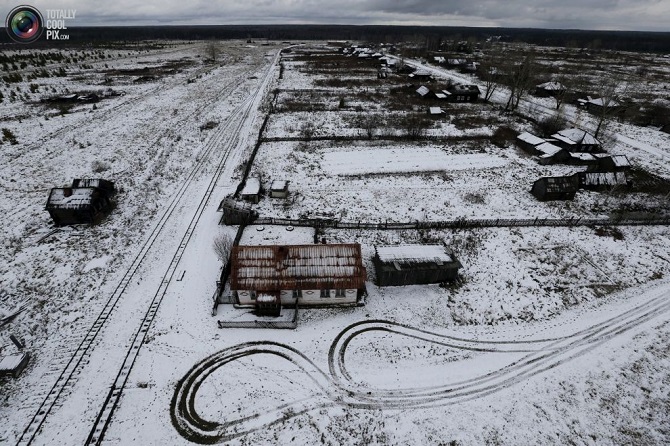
column 653, row 15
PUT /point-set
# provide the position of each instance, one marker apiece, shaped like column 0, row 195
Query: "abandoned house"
column 550, row 89
column 298, row 274
column 85, row 202
column 462, row 93
column 527, row 142
column 577, row 140
column 414, row 265
column 279, row 189
column 252, row 190
column 548, row 153
column 555, row 188
column 421, row 75
column 611, row 163
column 236, row 213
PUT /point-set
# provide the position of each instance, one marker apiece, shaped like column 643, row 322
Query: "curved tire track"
column 338, row 387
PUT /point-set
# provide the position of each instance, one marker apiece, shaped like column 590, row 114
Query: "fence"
column 293, row 323
column 463, row 223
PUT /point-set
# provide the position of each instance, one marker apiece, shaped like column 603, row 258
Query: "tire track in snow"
column 338, row 387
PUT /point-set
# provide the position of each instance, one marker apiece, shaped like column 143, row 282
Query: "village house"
column 577, row 140
column 414, row 264
column 528, row 142
column 85, row 202
column 421, row 75
column 555, row 188
column 298, row 274
column 462, row 93
column 611, row 163
column 548, row 89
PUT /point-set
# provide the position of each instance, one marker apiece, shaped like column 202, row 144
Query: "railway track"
column 77, row 359
column 528, row 359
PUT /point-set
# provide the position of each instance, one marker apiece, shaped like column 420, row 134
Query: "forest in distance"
column 643, row 41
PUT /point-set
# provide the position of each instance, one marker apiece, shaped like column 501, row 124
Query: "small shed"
column 611, row 163
column 279, row 189
column 414, row 264
column 577, row 140
column 252, row 190
column 424, row 92
column 268, row 304
column 236, row 213
column 14, row 364
column 435, row 111
column 77, row 205
column 555, row 188
column 551, row 154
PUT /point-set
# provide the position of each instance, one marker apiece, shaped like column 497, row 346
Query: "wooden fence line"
column 462, row 223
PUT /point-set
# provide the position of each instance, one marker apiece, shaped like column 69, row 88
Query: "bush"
column 503, row 137
column 550, row 125
column 9, row 137
column 99, row 166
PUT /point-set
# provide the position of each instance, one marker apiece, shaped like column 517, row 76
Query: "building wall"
column 309, row 297
column 387, row 275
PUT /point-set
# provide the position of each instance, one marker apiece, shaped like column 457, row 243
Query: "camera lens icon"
column 24, row 24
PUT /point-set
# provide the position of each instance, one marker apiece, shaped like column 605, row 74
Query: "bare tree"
column 609, row 93
column 519, row 72
column 223, row 244
column 489, row 72
column 212, row 51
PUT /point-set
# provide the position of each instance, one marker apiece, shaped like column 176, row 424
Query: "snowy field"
column 553, row 335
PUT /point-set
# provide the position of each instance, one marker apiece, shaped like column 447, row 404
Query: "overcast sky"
column 647, row 15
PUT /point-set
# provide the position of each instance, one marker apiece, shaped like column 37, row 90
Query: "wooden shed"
column 298, row 274
column 81, row 205
column 279, row 189
column 14, row 364
column 268, row 304
column 602, row 180
column 555, row 188
column 236, row 213
column 577, row 140
column 85, row 202
column 414, row 264
column 252, row 190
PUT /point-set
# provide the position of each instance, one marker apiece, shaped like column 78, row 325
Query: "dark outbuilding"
column 414, row 264
column 555, row 188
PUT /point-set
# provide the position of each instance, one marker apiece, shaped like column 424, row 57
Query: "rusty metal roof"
column 297, row 267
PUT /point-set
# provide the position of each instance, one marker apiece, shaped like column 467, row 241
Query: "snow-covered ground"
column 554, row 336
